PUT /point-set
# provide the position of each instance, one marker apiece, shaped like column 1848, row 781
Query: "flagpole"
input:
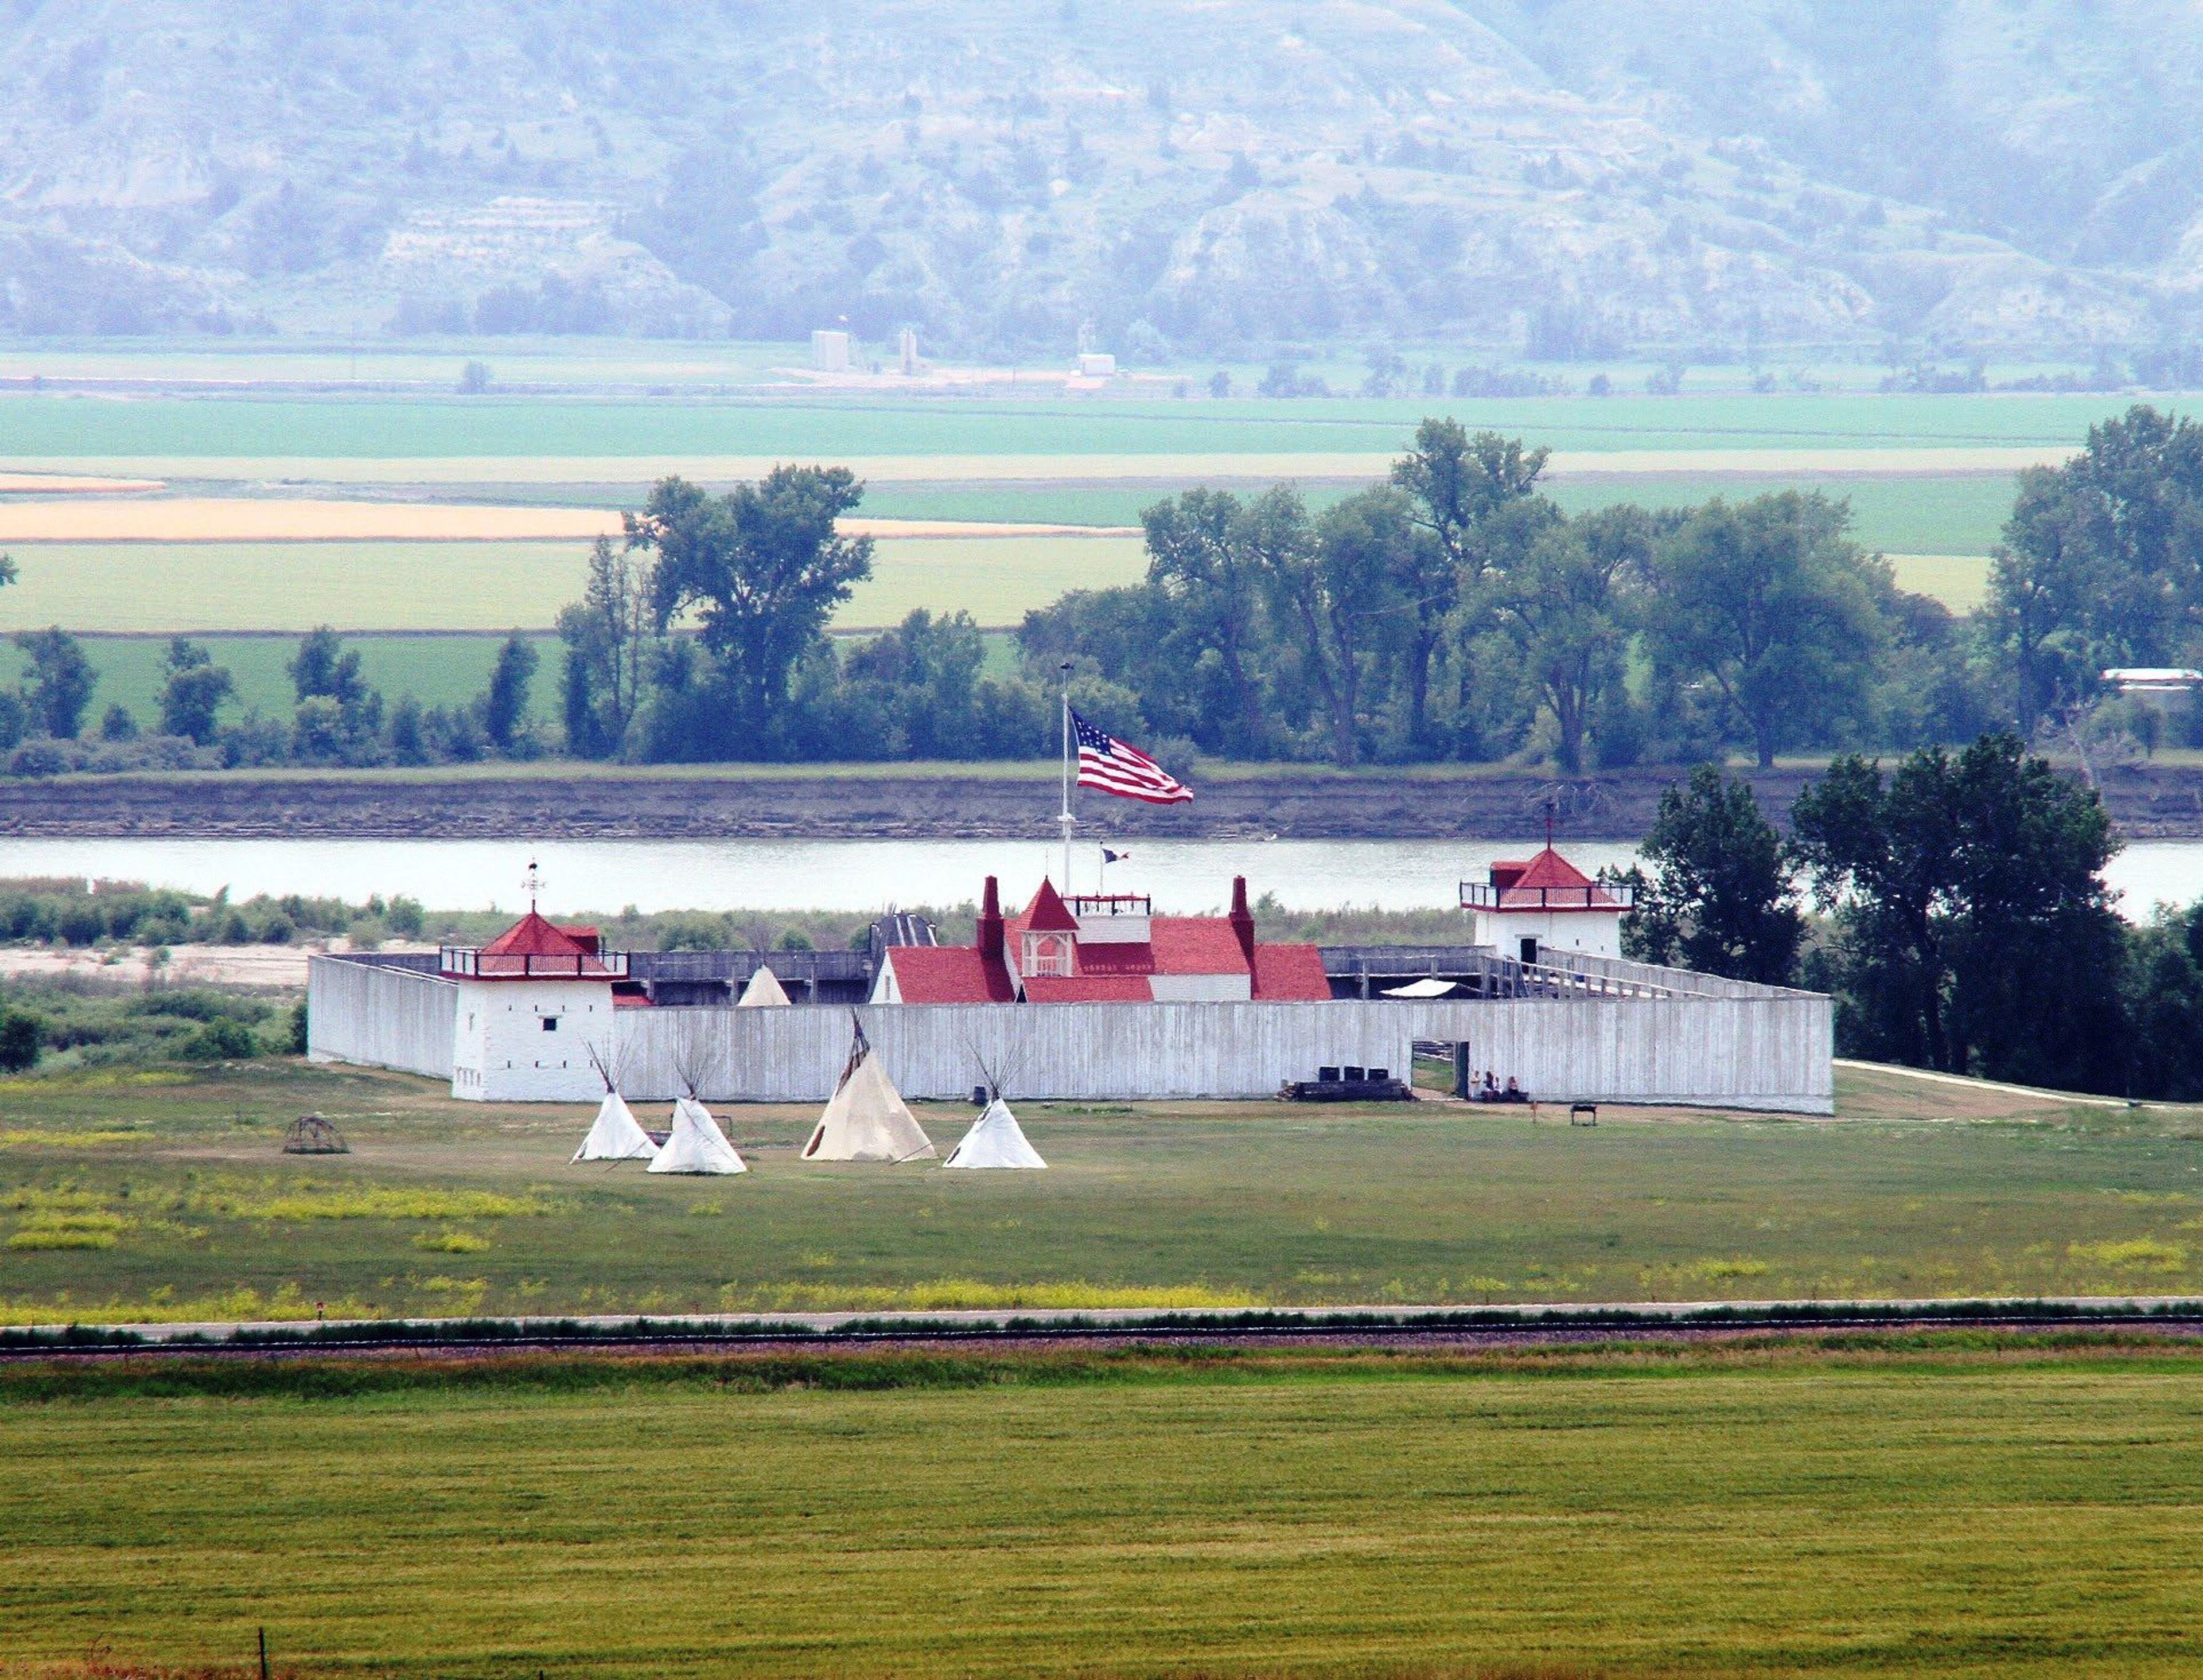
column 1066, row 819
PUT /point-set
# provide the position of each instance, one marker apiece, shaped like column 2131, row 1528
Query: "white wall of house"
column 1201, row 988
column 1595, row 933
column 529, row 1040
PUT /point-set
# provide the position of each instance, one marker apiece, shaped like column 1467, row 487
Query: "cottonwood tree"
column 1975, row 933
column 609, row 634
column 762, row 568
column 1770, row 602
column 504, row 702
column 1203, row 558
column 1717, row 891
column 339, row 716
column 1463, row 487
column 193, row 694
column 2101, row 562
column 1329, row 585
column 1569, row 607
column 58, row 685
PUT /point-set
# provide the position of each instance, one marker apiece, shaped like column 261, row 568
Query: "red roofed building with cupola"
column 533, row 1012
column 1104, row 948
column 1531, row 904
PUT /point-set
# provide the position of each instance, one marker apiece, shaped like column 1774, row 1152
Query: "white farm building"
column 1541, row 1001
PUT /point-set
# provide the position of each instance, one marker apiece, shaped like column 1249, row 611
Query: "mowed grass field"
column 163, row 1195
column 1931, row 1507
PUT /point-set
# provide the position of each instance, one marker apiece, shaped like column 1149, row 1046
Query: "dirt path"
column 276, row 967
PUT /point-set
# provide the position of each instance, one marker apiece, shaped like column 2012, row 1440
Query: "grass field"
column 1933, row 1508
column 66, row 427
column 143, row 588
column 165, row 1197
column 435, row 670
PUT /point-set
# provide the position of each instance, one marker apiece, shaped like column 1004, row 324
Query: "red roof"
column 534, row 948
column 1088, row 988
column 1048, row 913
column 948, row 973
column 1108, row 971
column 1548, row 882
column 1121, row 957
column 1195, row 945
column 1291, row 973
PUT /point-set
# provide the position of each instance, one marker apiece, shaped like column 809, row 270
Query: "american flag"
column 1106, row 763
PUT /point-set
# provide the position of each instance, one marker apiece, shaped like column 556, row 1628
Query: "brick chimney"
column 991, row 934
column 991, row 918
column 1243, row 920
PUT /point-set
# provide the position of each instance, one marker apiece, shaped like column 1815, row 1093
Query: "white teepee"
column 696, row 1144
column 616, row 1136
column 995, row 1139
column 866, row 1119
column 764, row 991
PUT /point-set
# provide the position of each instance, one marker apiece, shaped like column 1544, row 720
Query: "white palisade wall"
column 378, row 1017
column 1717, row 1044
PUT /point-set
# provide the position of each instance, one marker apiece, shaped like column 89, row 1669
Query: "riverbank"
column 931, row 802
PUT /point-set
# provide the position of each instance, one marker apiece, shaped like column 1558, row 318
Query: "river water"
column 1184, row 876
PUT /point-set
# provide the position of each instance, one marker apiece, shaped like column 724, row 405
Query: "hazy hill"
column 1208, row 175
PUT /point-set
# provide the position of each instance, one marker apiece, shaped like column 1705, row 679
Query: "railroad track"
column 1426, row 1328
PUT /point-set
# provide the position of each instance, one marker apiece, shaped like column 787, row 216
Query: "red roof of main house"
column 1195, row 944
column 1291, row 973
column 1548, row 882
column 534, row 948
column 1109, row 971
column 948, row 973
column 1088, row 988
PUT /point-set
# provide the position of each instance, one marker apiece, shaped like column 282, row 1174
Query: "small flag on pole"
column 1106, row 763
column 1109, row 857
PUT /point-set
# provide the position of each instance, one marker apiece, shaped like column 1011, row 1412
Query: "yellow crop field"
column 152, row 587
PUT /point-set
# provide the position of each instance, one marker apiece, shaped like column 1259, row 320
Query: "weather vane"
column 532, row 883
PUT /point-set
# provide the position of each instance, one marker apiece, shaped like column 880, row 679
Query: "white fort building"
column 1090, row 998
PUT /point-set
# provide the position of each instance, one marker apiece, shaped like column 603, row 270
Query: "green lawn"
column 1930, row 1510
column 819, row 426
column 190, row 1211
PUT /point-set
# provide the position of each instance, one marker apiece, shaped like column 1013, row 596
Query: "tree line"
column 338, row 717
column 1955, row 906
column 1453, row 612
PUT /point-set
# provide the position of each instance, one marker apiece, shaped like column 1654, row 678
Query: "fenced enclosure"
column 1617, row 1036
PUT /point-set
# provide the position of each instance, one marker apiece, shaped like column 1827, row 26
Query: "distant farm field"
column 399, row 586
column 1928, row 1509
column 71, row 427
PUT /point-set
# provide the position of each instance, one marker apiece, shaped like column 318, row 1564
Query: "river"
column 606, row 876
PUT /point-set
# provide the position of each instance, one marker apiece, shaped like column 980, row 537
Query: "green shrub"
column 228, row 1040
column 21, row 1037
column 82, row 922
